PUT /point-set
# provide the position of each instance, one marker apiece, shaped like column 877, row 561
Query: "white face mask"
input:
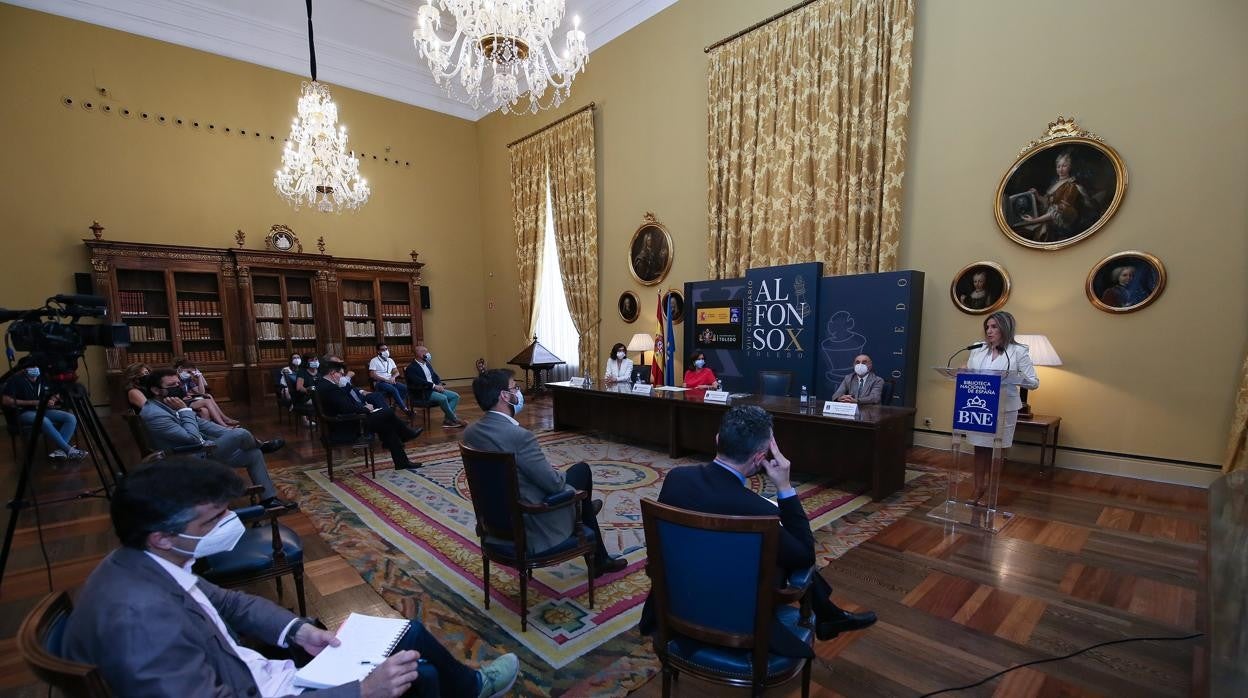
column 223, row 537
column 385, row 354
column 184, row 375
column 428, row 357
column 619, row 355
column 296, row 361
column 343, row 381
column 861, row 369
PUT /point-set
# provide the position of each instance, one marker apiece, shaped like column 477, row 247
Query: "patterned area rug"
column 413, row 533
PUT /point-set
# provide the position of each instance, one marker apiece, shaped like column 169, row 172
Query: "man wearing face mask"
column 862, row 386
column 338, row 397
column 385, row 374
column 422, row 379
column 746, row 446
column 153, row 628
column 22, row 393
column 171, row 424
column 499, row 431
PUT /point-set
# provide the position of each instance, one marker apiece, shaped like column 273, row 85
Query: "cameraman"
column 22, row 393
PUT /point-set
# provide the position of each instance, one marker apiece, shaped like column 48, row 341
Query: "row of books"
column 398, row 329
column 132, row 303
column 205, row 357
column 271, row 353
column 361, row 329
column 274, row 330
column 148, row 333
column 396, row 309
column 294, row 309
column 356, row 308
column 154, row 358
column 193, row 329
column 198, row 307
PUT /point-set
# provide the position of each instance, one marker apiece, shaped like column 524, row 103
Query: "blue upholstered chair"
column 494, row 485
column 714, row 586
column 39, row 642
column 268, row 550
column 779, row 383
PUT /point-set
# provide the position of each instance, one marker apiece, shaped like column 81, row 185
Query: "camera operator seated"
column 22, row 394
column 197, row 397
column 171, row 424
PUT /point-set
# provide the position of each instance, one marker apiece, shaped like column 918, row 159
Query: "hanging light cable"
column 317, row 169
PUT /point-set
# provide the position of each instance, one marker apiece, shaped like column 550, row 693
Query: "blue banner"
column 725, row 362
column 976, row 402
column 781, row 314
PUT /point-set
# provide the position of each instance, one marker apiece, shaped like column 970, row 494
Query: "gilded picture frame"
column 1062, row 188
column 629, row 306
column 980, row 288
column 650, row 252
column 678, row 305
column 1125, row 282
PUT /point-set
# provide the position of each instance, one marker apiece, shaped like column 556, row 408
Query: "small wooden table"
column 1048, row 426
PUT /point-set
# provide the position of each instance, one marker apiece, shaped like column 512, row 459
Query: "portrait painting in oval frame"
column 1062, row 188
column 1125, row 282
column 980, row 287
column 650, row 252
column 629, row 306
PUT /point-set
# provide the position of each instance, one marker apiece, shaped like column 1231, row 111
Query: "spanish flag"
column 660, row 348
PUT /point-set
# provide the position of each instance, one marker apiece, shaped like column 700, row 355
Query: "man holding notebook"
column 155, row 629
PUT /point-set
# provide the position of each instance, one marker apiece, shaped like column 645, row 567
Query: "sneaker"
column 452, row 424
column 58, row 454
column 497, row 677
column 77, row 453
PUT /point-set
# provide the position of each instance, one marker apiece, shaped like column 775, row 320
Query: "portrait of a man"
column 1126, row 282
column 628, row 306
column 650, row 252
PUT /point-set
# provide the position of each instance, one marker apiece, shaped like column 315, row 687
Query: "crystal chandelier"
column 317, row 169
column 508, row 38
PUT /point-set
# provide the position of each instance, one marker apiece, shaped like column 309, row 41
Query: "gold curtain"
column 574, row 200
column 807, row 139
column 528, row 215
column 1237, row 449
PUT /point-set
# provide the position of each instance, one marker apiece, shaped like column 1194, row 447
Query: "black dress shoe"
column 410, row 433
column 273, row 502
column 597, row 505
column 845, row 622
column 613, row 564
column 272, row 445
column 409, row 465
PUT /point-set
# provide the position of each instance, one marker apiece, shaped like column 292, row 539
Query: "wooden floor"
column 1088, row 558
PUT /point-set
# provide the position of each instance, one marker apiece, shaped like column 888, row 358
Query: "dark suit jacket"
column 151, row 638
column 416, row 381
column 711, row 489
column 336, row 402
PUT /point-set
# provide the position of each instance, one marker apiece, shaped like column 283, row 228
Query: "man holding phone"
column 746, row 446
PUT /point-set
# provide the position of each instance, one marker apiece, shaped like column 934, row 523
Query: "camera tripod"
column 74, row 398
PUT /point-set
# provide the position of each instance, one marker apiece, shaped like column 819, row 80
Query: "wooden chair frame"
column 523, row 562
column 767, row 598
column 71, row 678
column 364, row 440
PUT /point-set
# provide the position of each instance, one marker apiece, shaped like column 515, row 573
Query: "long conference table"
column 870, row 448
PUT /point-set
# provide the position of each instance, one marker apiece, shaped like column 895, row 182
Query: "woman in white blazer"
column 619, row 366
column 1000, row 353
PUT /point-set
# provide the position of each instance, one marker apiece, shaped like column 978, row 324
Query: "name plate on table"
column 642, row 389
column 576, row 382
column 716, row 396
column 831, row 408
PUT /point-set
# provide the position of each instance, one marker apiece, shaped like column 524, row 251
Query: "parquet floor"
column 1088, row 558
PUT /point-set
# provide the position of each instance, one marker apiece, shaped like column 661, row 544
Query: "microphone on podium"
column 968, row 347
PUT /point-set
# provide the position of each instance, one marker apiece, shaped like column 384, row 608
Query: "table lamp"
column 1042, row 354
column 643, row 343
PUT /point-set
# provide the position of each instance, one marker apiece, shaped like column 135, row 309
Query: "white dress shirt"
column 620, row 370
column 274, row 677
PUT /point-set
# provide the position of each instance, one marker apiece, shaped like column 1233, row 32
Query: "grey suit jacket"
column 538, row 478
column 870, row 393
column 168, row 428
column 151, row 638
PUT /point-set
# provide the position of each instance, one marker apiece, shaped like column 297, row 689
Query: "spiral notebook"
column 366, row 642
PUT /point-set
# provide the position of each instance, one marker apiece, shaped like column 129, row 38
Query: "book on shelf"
column 131, row 303
column 357, row 308
column 299, row 310
column 199, row 307
column 396, row 309
column 272, row 311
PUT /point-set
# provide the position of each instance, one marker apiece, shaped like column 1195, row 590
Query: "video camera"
column 52, row 336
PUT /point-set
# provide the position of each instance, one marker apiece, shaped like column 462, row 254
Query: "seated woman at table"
column 619, row 366
column 699, row 376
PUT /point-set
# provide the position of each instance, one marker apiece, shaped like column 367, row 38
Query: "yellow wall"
column 162, row 183
column 1161, row 81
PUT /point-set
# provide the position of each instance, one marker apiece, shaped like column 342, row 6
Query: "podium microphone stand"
column 976, row 410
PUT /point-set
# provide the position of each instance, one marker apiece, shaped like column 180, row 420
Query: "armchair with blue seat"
column 494, row 485
column 777, row 383
column 713, row 581
column 39, row 644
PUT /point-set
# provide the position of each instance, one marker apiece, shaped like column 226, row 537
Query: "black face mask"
column 176, row 391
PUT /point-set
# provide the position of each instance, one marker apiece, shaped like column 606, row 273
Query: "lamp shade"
column 1041, row 349
column 641, row 342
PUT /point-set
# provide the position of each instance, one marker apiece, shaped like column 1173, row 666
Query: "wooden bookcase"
column 240, row 313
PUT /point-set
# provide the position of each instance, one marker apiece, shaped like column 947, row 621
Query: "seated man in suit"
column 745, row 446
column 863, row 386
column 338, row 397
column 171, row 423
column 422, row 378
column 499, row 431
column 155, row 629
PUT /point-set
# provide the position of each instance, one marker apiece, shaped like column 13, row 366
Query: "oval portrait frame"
column 679, row 315
column 643, row 276
column 619, row 306
column 1089, row 286
column 997, row 304
column 1062, row 133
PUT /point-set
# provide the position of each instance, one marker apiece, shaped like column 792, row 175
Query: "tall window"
column 553, row 325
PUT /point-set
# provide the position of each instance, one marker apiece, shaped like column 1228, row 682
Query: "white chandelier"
column 317, row 169
column 510, row 38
